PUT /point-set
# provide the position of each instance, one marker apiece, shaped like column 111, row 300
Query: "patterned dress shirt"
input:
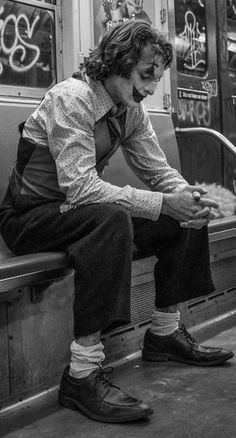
column 69, row 124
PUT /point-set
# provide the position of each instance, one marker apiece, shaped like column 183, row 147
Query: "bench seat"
column 36, row 268
column 32, row 269
column 222, row 224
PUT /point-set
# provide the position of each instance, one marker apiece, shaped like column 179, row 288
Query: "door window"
column 231, row 39
column 190, row 38
column 107, row 13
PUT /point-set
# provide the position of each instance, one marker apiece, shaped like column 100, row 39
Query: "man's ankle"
column 89, row 340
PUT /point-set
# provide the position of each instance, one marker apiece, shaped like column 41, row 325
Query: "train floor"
column 188, row 401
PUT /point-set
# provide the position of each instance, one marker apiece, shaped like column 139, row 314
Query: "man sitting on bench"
column 57, row 200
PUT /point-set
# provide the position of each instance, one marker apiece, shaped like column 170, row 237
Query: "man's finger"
column 204, row 213
column 198, row 189
column 211, row 215
column 196, row 195
column 194, row 223
column 205, row 202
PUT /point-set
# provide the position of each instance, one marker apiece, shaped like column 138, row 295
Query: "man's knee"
column 168, row 228
column 112, row 220
column 120, row 221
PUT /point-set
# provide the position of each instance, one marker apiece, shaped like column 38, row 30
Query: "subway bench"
column 37, row 269
column 40, row 269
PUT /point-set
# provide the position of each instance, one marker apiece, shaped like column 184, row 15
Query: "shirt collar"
column 103, row 101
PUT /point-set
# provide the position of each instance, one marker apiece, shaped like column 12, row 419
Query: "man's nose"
column 150, row 88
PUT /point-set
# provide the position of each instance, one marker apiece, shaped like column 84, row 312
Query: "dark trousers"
column 98, row 239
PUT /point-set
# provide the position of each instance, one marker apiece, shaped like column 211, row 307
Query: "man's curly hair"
column 120, row 48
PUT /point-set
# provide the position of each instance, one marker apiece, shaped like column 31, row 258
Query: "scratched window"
column 231, row 37
column 27, row 53
column 190, row 38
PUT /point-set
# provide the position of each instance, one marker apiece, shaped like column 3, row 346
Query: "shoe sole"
column 165, row 357
column 69, row 403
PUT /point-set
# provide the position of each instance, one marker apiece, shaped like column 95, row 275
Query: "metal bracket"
column 38, row 290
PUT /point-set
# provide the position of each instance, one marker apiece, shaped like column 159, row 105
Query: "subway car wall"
column 205, row 41
column 203, row 78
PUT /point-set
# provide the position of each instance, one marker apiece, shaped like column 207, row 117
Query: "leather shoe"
column 182, row 347
column 96, row 397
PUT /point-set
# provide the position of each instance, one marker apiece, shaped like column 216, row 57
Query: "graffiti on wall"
column 18, row 45
column 195, row 40
column 195, row 112
column 26, row 45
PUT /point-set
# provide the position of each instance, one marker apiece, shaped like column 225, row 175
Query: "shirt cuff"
column 147, row 205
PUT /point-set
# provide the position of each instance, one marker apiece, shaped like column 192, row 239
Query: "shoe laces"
column 103, row 381
column 187, row 335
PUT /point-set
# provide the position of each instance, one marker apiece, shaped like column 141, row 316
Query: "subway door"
column 30, row 63
column 197, row 96
column 226, row 19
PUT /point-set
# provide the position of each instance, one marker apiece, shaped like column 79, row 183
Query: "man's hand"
column 189, row 207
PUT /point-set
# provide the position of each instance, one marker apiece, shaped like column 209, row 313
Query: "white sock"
column 164, row 324
column 85, row 360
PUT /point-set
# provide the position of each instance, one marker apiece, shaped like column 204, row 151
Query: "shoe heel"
column 155, row 357
column 66, row 402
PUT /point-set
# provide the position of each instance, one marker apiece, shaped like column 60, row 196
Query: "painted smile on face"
column 142, row 81
column 137, row 96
